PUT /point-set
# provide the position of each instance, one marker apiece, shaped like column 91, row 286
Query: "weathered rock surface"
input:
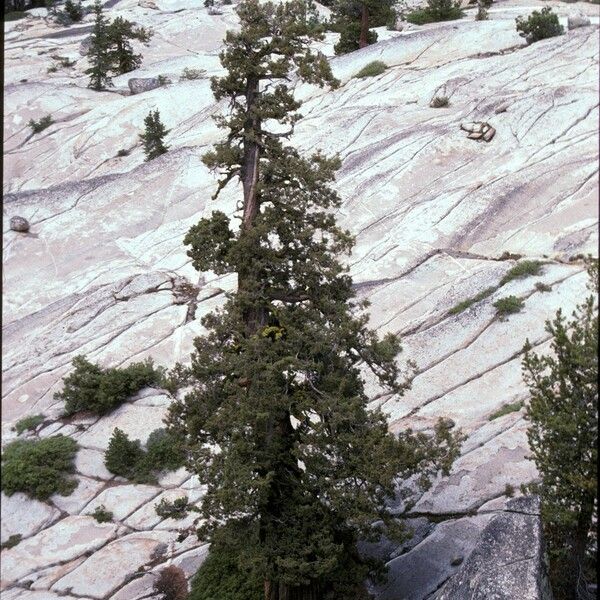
column 138, row 86
column 508, row 561
column 106, row 275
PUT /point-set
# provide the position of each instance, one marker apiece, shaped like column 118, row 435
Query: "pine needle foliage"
column 153, row 136
column 563, row 437
column 277, row 424
column 99, row 55
column 120, row 33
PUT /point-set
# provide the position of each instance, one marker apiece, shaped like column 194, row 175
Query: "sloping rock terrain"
column 438, row 218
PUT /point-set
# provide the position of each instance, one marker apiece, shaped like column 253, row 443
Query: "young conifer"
column 277, row 424
column 153, row 136
column 563, row 437
column 99, row 53
column 120, row 34
column 356, row 17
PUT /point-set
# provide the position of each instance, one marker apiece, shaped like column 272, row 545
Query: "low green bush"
column 127, row 458
column 373, row 69
column 43, row 123
column 543, row 287
column 526, row 268
column 509, row 490
column 506, row 409
column 191, row 74
column 178, row 509
column 508, row 305
column 539, row 25
column 39, row 468
column 462, row 306
column 102, row 515
column 29, row 423
column 436, row 11
column 92, row 388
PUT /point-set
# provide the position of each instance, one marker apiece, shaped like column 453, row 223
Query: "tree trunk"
column 281, row 591
column 364, row 27
column 578, row 546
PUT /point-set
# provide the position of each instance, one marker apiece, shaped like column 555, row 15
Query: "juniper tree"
column 73, row 11
column 276, row 425
column 120, row 34
column 563, row 437
column 99, row 53
column 153, row 136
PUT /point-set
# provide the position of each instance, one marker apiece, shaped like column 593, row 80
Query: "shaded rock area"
column 438, row 219
column 508, row 561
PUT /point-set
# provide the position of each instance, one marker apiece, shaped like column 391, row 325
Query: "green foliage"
column 276, row 424
column 462, row 306
column 43, row 123
column 120, row 33
column 28, row 423
column 353, row 19
column 12, row 541
column 39, row 468
column 176, row 378
column 509, row 490
column 127, row 458
column 178, row 509
column 506, row 409
column 436, row 10
column 373, row 69
column 508, row 305
column 123, row 457
column 153, row 136
column 349, row 37
column 123, row 152
column 14, row 15
column 99, row 54
column 223, row 576
column 73, row 10
column 526, row 268
column 563, row 437
column 102, row 515
column 91, row 388
column 539, row 25
column 171, row 584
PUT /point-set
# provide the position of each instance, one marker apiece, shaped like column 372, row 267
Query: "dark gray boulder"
column 137, row 85
column 508, row 561
column 19, row 224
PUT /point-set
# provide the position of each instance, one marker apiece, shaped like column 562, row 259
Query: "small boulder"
column 138, row 85
column 84, row 47
column 576, row 20
column 19, row 224
column 148, row 4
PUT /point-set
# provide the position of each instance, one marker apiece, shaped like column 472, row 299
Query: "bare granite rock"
column 508, row 561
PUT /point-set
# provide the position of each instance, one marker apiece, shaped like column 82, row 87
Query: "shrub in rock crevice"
column 539, row 25
column 39, row 468
column 127, row 458
column 91, row 388
column 373, row 69
column 171, row 584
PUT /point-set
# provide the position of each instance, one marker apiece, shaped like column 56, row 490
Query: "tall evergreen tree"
column 277, row 424
column 354, row 19
column 120, row 34
column 99, row 53
column 153, row 136
column 563, row 437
